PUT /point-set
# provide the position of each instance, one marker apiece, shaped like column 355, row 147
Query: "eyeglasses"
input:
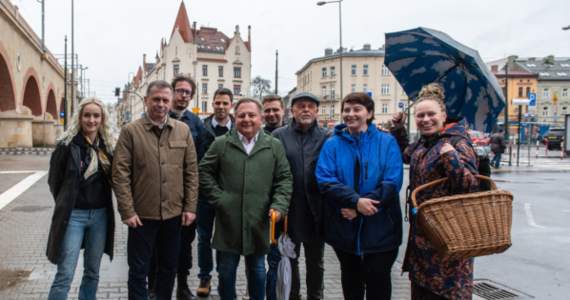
column 181, row 92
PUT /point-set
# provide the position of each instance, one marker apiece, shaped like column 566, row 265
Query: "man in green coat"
column 245, row 176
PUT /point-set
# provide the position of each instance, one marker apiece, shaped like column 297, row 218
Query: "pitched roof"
column 558, row 70
column 183, row 25
column 211, row 40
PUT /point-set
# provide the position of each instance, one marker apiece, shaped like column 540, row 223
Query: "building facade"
column 209, row 56
column 363, row 71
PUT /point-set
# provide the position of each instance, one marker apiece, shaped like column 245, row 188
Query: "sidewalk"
column 25, row 272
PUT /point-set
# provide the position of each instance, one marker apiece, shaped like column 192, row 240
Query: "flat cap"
column 305, row 95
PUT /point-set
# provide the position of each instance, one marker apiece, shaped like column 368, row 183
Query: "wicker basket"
column 467, row 225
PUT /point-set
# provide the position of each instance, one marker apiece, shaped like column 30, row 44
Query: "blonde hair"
column 432, row 91
column 105, row 130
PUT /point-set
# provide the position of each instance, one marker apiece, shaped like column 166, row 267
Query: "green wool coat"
column 243, row 188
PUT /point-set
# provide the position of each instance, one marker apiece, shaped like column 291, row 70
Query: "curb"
column 26, row 151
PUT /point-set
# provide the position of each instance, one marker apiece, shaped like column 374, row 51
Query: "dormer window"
column 561, row 74
column 202, row 38
column 223, row 41
column 531, row 65
column 544, row 74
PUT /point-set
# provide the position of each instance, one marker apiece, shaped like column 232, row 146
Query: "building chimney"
column 328, row 51
column 550, row 59
column 366, row 47
column 144, row 61
column 495, row 68
column 249, row 35
column 195, row 31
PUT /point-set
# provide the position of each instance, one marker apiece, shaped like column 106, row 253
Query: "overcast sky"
column 111, row 36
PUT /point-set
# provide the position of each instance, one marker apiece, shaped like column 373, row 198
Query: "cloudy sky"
column 111, row 36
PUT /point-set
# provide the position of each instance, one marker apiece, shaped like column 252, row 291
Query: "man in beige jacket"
column 155, row 178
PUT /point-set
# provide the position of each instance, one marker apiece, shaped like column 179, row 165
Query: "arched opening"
column 7, row 98
column 51, row 106
column 32, row 97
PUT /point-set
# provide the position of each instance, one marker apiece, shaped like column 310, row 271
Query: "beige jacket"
column 155, row 178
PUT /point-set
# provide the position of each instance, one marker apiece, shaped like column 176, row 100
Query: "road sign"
column 62, row 115
column 400, row 104
column 526, row 116
column 520, row 101
column 532, row 98
column 532, row 116
column 142, row 115
column 195, row 110
column 369, row 94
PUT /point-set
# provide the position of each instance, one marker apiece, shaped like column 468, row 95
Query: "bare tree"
column 260, row 87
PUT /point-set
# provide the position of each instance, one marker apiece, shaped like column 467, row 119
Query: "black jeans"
column 370, row 273
column 314, row 253
column 187, row 236
column 141, row 240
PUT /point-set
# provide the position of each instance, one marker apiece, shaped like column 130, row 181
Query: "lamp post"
column 321, row 3
column 83, row 81
column 566, row 28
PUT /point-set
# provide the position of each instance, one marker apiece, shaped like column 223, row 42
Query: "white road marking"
column 530, row 217
column 16, row 172
column 22, row 186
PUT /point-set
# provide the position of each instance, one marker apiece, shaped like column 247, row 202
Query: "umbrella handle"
column 273, row 240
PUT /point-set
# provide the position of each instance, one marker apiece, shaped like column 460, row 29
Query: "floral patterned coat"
column 450, row 279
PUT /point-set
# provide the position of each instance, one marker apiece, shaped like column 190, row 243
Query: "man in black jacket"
column 302, row 141
column 498, row 148
column 215, row 125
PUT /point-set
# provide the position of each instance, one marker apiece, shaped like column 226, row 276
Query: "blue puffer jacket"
column 381, row 175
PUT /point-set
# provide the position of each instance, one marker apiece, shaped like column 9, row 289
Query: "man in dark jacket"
column 273, row 112
column 215, row 125
column 498, row 147
column 184, row 89
column 302, row 141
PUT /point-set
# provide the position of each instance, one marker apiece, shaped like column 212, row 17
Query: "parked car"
column 555, row 137
column 479, row 139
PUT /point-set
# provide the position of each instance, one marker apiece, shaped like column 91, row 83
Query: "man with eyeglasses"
column 184, row 89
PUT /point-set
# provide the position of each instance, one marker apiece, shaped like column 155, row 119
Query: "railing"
column 211, row 56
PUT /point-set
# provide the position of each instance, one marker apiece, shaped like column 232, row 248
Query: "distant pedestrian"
column 302, row 141
column 360, row 173
column 156, row 184
column 80, row 182
column 245, row 176
column 218, row 124
column 184, row 89
column 273, row 112
column 498, row 147
column 431, row 158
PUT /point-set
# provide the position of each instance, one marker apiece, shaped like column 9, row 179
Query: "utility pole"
column 43, row 26
column 276, row 69
column 72, row 62
column 65, row 112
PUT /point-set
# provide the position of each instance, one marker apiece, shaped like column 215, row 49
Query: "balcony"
column 328, row 98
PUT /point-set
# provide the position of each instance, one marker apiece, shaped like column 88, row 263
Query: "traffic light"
column 117, row 92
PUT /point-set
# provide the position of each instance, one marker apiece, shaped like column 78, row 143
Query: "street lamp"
column 321, row 3
column 566, row 28
column 83, row 81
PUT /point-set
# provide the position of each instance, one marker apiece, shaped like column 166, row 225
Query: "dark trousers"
column 370, row 273
column 166, row 235
column 187, row 236
column 314, row 253
column 419, row 293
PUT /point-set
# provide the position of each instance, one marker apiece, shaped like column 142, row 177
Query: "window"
column 332, row 111
column 521, row 91
column 332, row 91
column 385, row 70
column 365, row 70
column 202, row 38
column 323, row 91
column 205, row 106
column 365, row 88
column 564, row 93
column 324, row 109
column 204, row 70
column 545, row 111
column 353, row 70
column 384, row 108
column 214, row 41
column 564, row 110
column 204, row 88
column 353, row 88
column 561, row 74
column 332, row 71
column 220, row 86
column 223, row 41
column 385, row 89
column 221, row 71
column 531, row 65
column 324, row 72
column 527, row 91
column 209, row 48
column 237, row 72
column 544, row 74
column 237, row 50
column 176, row 69
column 237, row 89
column 545, row 93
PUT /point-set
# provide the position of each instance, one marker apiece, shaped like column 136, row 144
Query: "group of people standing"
column 175, row 175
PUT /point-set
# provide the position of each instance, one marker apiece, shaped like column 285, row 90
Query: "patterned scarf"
column 102, row 159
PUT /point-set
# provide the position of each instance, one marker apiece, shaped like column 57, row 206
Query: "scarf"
column 102, row 159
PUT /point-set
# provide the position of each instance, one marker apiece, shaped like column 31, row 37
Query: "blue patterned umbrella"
column 420, row 56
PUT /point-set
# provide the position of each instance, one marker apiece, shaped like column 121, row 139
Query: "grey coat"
column 302, row 149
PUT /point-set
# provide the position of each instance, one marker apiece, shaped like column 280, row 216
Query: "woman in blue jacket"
column 360, row 174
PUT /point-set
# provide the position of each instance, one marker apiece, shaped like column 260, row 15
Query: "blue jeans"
column 84, row 224
column 205, row 215
column 255, row 264
column 496, row 162
column 140, row 242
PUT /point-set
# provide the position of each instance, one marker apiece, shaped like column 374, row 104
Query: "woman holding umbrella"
column 360, row 174
column 431, row 158
column 83, row 217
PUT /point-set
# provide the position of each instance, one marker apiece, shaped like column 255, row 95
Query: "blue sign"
column 526, row 116
column 369, row 94
column 142, row 115
column 532, row 116
column 400, row 104
column 532, row 98
column 62, row 115
column 555, row 117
